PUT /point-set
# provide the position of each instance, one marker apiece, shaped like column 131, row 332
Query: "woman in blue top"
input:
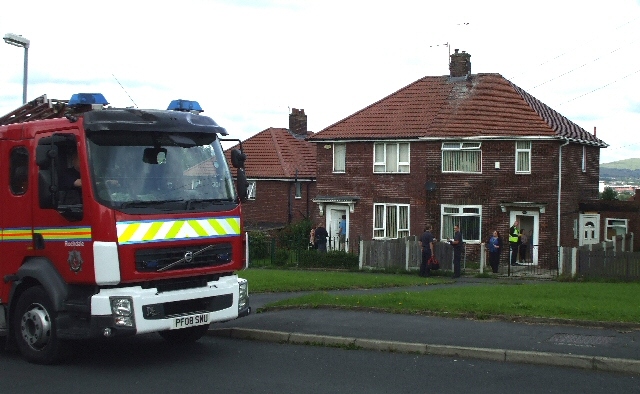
column 495, row 247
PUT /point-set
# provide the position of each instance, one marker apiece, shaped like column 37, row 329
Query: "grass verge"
column 602, row 302
column 276, row 281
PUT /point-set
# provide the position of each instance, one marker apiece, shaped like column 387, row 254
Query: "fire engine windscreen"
column 159, row 171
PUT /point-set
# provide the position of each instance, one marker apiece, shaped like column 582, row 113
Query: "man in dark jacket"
column 426, row 244
column 457, row 244
column 321, row 238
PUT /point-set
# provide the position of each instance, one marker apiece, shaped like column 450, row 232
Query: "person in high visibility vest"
column 514, row 242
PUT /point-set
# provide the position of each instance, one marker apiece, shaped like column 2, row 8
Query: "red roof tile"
column 484, row 105
column 276, row 153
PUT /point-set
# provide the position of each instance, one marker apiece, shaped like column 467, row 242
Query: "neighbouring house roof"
column 477, row 106
column 277, row 153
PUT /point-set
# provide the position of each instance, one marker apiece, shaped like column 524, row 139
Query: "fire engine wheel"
column 34, row 327
column 185, row 335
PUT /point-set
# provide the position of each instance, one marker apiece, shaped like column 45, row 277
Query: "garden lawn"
column 608, row 302
column 270, row 280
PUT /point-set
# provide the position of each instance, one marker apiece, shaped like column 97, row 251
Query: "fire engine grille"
column 187, row 307
column 192, row 256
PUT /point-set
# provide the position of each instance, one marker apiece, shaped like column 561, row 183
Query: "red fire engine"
column 116, row 222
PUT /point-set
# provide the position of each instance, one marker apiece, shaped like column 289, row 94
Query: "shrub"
column 258, row 245
column 280, row 257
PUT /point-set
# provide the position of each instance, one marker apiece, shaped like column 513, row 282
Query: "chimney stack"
column 298, row 122
column 460, row 64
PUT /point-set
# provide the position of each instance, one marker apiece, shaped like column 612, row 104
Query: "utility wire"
column 573, row 49
column 602, row 87
column 579, row 67
column 125, row 90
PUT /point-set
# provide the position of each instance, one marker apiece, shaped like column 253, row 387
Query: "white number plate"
column 190, row 321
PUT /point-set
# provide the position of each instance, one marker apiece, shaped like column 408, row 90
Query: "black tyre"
column 185, row 335
column 34, row 327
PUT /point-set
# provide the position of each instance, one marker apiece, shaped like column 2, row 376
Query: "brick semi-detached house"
column 281, row 169
column 468, row 149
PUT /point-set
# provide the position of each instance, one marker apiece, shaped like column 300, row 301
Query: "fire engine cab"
column 115, row 222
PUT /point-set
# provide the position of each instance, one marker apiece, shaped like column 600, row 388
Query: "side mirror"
column 238, row 158
column 242, row 185
column 154, row 155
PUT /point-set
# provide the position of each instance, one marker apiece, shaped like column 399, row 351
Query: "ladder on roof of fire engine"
column 38, row 109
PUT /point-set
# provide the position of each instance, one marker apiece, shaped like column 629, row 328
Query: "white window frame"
column 613, row 223
column 464, row 216
column 384, row 162
column 298, row 190
column 459, row 153
column 584, row 158
column 383, row 229
column 339, row 158
column 251, row 190
column 523, row 156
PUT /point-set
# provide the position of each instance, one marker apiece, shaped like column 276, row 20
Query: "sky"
column 248, row 63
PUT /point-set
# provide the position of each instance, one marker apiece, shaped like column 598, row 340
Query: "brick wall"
column 275, row 203
column 490, row 189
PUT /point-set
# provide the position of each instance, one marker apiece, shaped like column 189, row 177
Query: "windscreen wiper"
column 215, row 201
column 145, row 203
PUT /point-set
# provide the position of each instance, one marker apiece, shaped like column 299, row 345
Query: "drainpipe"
column 560, row 190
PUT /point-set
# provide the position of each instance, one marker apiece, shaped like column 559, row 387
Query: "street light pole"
column 19, row 41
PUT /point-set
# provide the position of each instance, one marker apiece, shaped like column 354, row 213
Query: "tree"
column 609, row 194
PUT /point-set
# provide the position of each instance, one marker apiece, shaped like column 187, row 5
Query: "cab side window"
column 19, row 170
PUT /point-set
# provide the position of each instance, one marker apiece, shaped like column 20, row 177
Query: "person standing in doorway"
column 524, row 245
column 457, row 243
column 342, row 232
column 321, row 238
column 514, row 242
column 495, row 247
column 426, row 245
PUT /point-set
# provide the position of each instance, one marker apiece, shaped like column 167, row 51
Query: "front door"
column 529, row 225
column 334, row 215
column 589, row 229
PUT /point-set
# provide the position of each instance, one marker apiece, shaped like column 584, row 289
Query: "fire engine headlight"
column 121, row 306
column 243, row 298
column 122, row 311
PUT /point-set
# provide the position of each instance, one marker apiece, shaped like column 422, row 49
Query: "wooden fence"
column 402, row 253
column 609, row 259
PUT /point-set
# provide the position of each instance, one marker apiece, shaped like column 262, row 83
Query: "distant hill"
column 626, row 164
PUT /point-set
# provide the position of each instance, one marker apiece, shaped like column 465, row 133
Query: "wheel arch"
column 39, row 271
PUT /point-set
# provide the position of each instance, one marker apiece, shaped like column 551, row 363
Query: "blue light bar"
column 185, row 106
column 87, row 99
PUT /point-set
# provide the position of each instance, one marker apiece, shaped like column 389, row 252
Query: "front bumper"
column 155, row 311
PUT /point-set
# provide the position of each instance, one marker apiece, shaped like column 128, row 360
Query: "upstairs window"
column 523, row 157
column 298, row 190
column 391, row 157
column 390, row 220
column 339, row 157
column 584, row 158
column 461, row 157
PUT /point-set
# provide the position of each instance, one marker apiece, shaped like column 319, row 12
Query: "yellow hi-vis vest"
column 514, row 239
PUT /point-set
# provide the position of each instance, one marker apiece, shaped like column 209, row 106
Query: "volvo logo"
column 188, row 257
